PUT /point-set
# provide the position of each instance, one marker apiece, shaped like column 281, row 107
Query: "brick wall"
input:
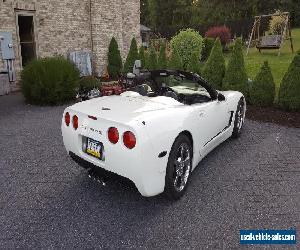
column 62, row 26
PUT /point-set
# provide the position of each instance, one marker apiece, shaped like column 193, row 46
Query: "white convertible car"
column 156, row 133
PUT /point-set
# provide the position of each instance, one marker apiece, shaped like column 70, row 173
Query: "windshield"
column 181, row 85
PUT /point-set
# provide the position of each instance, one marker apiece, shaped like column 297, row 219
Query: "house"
column 42, row 28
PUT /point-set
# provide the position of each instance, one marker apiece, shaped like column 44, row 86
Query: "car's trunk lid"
column 124, row 108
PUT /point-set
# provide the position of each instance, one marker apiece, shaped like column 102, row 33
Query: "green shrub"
column 194, row 64
column 162, row 59
column 142, row 56
column 236, row 76
column 262, row 92
column 214, row 69
column 208, row 44
column 289, row 93
column 114, row 67
column 49, row 81
column 88, row 83
column 186, row 43
column 132, row 56
column 151, row 62
column 175, row 62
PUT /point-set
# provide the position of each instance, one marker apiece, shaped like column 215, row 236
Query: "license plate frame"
column 94, row 148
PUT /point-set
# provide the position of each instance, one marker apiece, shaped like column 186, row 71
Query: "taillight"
column 75, row 122
column 113, row 135
column 129, row 140
column 67, row 119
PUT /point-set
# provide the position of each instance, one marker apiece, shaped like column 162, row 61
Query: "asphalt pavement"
column 48, row 201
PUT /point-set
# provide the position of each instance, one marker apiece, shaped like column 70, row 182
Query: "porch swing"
column 269, row 42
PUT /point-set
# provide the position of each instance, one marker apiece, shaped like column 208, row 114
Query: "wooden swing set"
column 271, row 41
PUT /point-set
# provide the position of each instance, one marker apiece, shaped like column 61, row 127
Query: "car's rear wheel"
column 179, row 167
column 239, row 119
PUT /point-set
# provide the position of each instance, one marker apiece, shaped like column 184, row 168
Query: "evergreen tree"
column 289, row 93
column 132, row 56
column 152, row 59
column 162, row 59
column 175, row 62
column 146, row 59
column 208, row 44
column 262, row 92
column 142, row 56
column 214, row 69
column 194, row 64
column 114, row 59
column 236, row 76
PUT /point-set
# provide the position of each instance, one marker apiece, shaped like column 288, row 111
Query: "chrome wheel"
column 240, row 116
column 182, row 165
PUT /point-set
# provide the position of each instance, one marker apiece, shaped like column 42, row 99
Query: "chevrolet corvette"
column 155, row 133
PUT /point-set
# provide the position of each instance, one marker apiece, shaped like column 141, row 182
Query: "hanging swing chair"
column 269, row 42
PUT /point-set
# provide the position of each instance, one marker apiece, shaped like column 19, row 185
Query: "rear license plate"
column 94, row 148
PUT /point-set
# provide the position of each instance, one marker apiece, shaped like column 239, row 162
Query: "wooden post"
column 290, row 35
column 283, row 34
column 251, row 36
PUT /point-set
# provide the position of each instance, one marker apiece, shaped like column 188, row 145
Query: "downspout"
column 91, row 34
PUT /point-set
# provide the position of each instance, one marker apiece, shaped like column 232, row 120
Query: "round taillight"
column 129, row 140
column 67, row 119
column 75, row 122
column 113, row 135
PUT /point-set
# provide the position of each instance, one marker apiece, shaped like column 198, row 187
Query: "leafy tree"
column 142, row 56
column 289, row 93
column 194, row 64
column 161, row 15
column 276, row 24
column 172, row 15
column 175, row 62
column 262, row 92
column 236, row 76
column 162, row 59
column 132, row 56
column 186, row 43
column 214, row 69
column 114, row 59
column 152, row 59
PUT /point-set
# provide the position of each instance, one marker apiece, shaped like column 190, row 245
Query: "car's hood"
column 124, row 108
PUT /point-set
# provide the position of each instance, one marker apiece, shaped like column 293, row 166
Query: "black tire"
column 179, row 166
column 239, row 119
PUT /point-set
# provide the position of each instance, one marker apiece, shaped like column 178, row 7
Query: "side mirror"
column 221, row 97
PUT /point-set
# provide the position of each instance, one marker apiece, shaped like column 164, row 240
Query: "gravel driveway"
column 47, row 201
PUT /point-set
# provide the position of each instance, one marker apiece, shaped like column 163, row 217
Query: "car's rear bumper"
column 149, row 182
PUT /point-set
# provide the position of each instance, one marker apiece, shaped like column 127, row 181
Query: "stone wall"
column 118, row 18
column 62, row 26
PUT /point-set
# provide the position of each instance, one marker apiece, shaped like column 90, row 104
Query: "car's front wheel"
column 179, row 167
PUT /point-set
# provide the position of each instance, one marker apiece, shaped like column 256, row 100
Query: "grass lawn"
column 278, row 64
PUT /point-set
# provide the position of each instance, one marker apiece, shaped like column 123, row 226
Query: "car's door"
column 212, row 120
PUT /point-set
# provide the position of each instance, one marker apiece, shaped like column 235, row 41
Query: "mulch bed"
column 273, row 115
